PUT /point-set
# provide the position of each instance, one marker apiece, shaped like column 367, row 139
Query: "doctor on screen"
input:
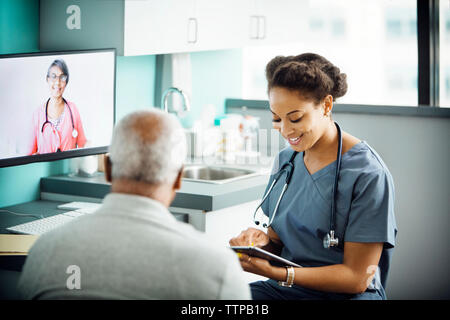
column 57, row 123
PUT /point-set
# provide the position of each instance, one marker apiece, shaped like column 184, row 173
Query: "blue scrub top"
column 364, row 208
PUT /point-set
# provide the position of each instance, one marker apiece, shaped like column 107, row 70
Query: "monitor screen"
column 56, row 105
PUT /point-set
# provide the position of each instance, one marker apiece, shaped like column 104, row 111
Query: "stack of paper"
column 16, row 244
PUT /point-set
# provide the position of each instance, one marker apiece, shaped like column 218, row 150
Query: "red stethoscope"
column 74, row 131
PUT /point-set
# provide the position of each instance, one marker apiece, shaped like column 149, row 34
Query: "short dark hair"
column 310, row 74
column 61, row 64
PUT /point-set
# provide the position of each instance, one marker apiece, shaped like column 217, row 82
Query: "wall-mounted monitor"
column 56, row 105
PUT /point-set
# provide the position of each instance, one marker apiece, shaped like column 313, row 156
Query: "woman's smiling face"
column 299, row 120
column 56, row 81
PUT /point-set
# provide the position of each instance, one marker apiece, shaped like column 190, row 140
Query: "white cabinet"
column 221, row 24
column 273, row 22
column 169, row 26
column 154, row 26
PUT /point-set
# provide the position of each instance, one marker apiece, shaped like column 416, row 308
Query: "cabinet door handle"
column 192, row 30
column 254, row 27
column 262, row 28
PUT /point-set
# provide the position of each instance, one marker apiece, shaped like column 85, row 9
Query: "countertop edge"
column 217, row 197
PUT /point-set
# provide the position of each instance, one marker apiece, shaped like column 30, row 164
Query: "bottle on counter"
column 249, row 131
column 230, row 137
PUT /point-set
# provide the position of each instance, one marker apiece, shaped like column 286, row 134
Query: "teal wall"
column 135, row 83
column 19, row 26
column 216, row 75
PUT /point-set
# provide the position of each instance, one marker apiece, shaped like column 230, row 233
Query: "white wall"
column 417, row 152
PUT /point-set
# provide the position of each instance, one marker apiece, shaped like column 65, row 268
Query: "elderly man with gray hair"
column 132, row 247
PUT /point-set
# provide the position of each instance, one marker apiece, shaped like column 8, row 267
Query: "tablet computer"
column 261, row 253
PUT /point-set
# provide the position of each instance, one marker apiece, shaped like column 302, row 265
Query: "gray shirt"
column 131, row 248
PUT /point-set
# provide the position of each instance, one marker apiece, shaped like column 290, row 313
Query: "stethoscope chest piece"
column 330, row 241
column 74, row 133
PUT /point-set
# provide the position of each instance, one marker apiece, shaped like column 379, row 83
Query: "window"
column 373, row 42
column 444, row 54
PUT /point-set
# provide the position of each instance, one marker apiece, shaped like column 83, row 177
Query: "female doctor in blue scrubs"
column 302, row 90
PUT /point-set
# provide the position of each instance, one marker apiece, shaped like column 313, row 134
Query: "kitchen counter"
column 192, row 195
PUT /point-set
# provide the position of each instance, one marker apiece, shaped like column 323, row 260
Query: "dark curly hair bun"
column 310, row 74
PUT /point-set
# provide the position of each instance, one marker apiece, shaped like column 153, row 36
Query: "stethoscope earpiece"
column 257, row 223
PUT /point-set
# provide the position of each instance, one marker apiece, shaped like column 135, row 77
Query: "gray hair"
column 154, row 161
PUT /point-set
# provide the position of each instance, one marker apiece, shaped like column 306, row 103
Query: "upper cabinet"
column 221, row 24
column 155, row 26
column 168, row 26
column 273, row 22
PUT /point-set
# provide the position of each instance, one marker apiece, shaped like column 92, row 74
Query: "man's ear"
column 177, row 183
column 108, row 168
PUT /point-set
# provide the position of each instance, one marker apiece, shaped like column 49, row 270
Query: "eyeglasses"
column 53, row 77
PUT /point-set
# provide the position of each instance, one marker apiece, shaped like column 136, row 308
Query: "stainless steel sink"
column 217, row 175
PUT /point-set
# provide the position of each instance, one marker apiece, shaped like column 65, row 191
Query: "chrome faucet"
column 186, row 105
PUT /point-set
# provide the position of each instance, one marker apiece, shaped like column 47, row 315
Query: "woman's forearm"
column 334, row 278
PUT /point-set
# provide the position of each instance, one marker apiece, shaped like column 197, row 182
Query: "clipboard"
column 261, row 253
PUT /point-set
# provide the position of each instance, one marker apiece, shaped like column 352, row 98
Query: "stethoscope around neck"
column 329, row 240
column 74, row 131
